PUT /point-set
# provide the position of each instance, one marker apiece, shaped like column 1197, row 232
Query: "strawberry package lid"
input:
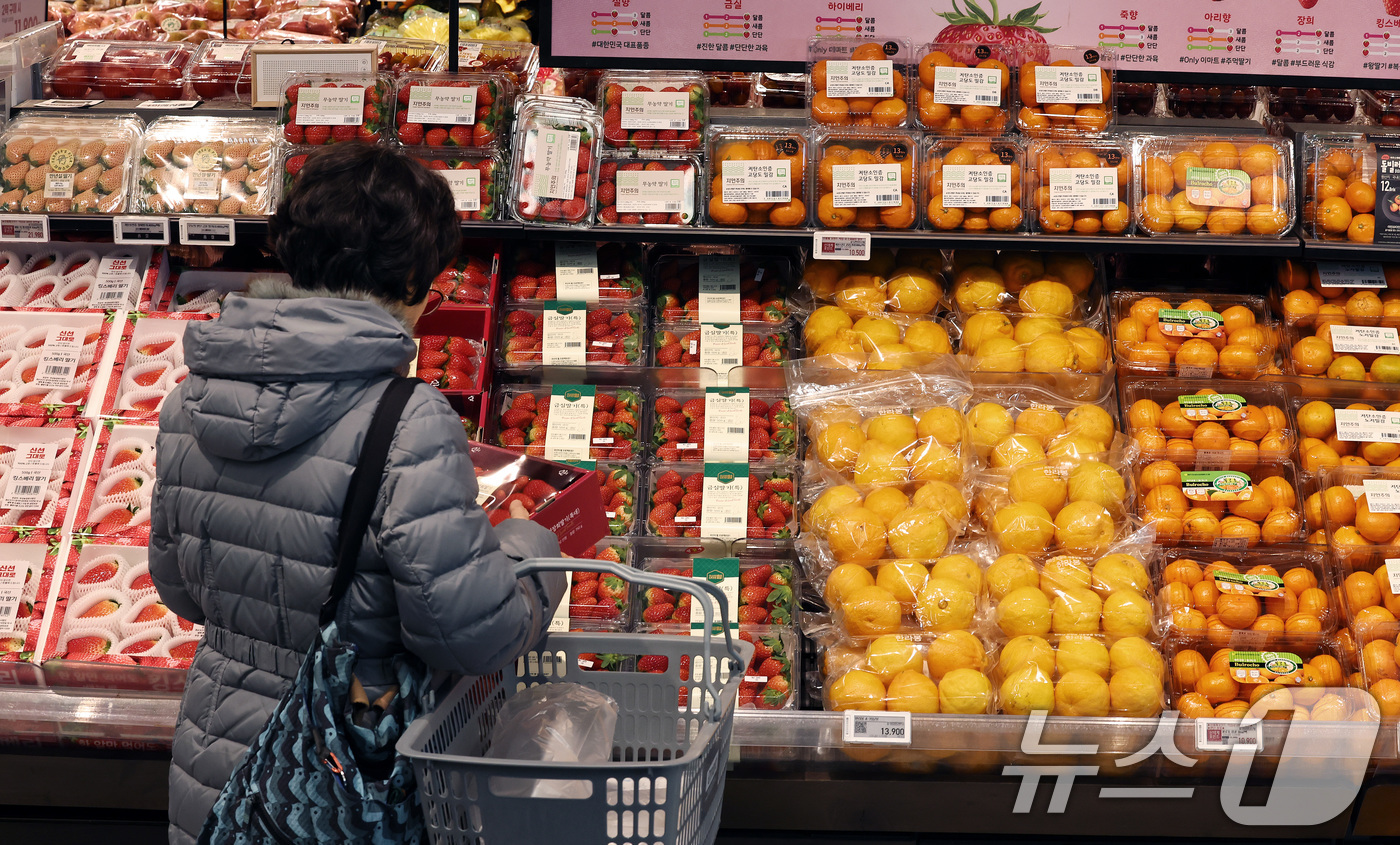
column 319, row 109
column 150, row 362
column 24, row 589
column 69, row 164
column 654, row 110
column 597, row 596
column 77, row 275
column 39, row 460
column 220, row 71
column 117, row 70
column 404, row 56
column 475, row 179
column 49, row 360
column 563, row 499
column 116, row 500
column 206, row 165
column 571, row 334
column 554, row 171
column 592, row 272
column 453, row 110
column 766, row 593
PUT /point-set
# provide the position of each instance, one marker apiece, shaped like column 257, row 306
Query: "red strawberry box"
column 63, row 441
column 22, row 621
column 678, row 425
column 30, row 386
column 766, row 286
column 116, row 500
column 65, row 276
column 471, row 278
column 150, row 362
column 767, row 593
column 338, row 108
column 472, row 408
column 522, row 418
column 650, row 199
column 612, row 338
column 562, row 498
column 675, row 503
column 530, row 274
column 678, row 345
column 769, row 681
column 113, row 622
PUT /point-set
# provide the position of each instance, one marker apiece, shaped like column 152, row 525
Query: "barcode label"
column 116, row 275
column 576, row 270
column 573, row 344
column 887, row 198
column 734, row 519
column 465, row 186
column 58, row 363
column 1083, row 188
column 570, row 422
column 737, row 429
column 959, row 86
column 565, row 327
column 977, row 186
column 27, row 489
column 865, row 185
column 776, row 195
column 578, row 437
column 860, row 79
column 652, row 191
column 1367, row 426
column 719, row 289
column 733, row 362
column 29, row 477
column 1068, row 84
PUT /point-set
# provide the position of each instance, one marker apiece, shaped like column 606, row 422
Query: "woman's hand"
column 518, row 511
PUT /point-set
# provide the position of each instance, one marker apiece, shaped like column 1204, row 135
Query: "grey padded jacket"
column 255, row 452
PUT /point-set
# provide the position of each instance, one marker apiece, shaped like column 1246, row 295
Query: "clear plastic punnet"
column 963, row 89
column 322, row 108
column 1225, row 509
column 1069, row 95
column 1213, row 102
column 1226, row 335
column 757, row 177
column 654, row 110
column 571, row 334
column 1339, row 186
column 751, row 288
column 1312, row 105
column 1136, row 98
column 521, row 61
column 1209, row 425
column 1362, row 523
column 465, row 109
column 68, row 164
column 1247, row 600
column 476, row 177
column 117, row 70
column 1065, row 286
column 1079, row 187
column 720, row 348
column 206, row 165
column 996, row 342
column 219, row 71
column 1331, row 356
column 659, row 190
column 908, row 672
column 1254, row 683
column 1080, row 674
column 532, row 272
column 403, row 56
column 740, row 508
column 677, row 428
column 974, row 184
column 858, row 81
column 554, row 171
column 1365, row 433
column 1224, row 186
column 1381, row 107
column 865, row 179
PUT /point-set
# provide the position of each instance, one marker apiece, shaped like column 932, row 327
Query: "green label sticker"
column 723, row 573
column 1264, row 586
column 1219, row 187
column 565, row 334
column 1266, row 667
column 1216, row 486
column 1212, row 406
column 1174, row 322
column 566, row 430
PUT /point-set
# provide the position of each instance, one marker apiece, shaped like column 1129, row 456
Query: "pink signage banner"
column 1351, row 39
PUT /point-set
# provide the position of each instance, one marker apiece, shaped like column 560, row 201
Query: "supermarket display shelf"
column 1344, row 251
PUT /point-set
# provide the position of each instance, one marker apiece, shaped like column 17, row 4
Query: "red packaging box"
column 21, row 626
column 28, row 353
column 150, row 362
column 66, row 441
column 572, row 508
column 116, row 499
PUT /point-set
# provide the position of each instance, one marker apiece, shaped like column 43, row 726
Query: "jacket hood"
column 270, row 374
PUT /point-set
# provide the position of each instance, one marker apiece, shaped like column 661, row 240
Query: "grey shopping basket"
column 665, row 783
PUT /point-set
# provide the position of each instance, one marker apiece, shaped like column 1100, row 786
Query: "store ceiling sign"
column 1349, row 40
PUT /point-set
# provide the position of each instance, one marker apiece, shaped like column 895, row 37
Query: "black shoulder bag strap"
column 364, row 489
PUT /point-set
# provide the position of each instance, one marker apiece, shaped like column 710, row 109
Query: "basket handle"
column 704, row 592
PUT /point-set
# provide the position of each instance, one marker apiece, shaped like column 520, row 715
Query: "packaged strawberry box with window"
column 592, row 271
column 760, row 509
column 464, row 109
column 767, row 593
column 567, row 334
column 770, row 679
column 660, row 110
column 25, row 575
column 72, row 276
column 319, row 109
column 685, row 345
column 49, row 360
column 598, row 596
column 116, row 499
column 471, row 278
column 68, row 164
column 474, row 177
column 594, row 422
column 554, row 171
column 39, row 461
column 150, row 362
column 658, row 191
column 112, row 614
column 678, row 428
column 562, row 498
column 753, row 288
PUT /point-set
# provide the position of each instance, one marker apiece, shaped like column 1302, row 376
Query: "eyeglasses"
column 432, row 302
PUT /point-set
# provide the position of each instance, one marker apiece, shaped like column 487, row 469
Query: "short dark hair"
column 366, row 218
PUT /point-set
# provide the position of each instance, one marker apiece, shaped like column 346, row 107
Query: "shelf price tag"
column 1370, row 340
column 13, row 574
column 864, row 727
column 24, row 228
column 1350, row 274
column 570, row 422
column 29, row 477
column 58, row 360
column 576, row 270
column 1368, row 426
column 725, row 504
column 727, row 424
column 721, row 348
column 206, row 231
column 723, row 573
column 854, row 245
column 967, row 86
column 116, row 276
column 1068, row 84
column 1382, row 496
column 141, row 230
column 565, row 331
column 719, row 289
column 1083, row 189
column 1227, row 734
column 173, row 105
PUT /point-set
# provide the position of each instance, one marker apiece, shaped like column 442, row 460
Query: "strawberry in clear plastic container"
column 524, row 421
column 450, row 363
column 676, row 505
column 474, row 199
column 338, row 110
column 555, row 168
column 418, row 123
column 677, row 208
column 532, row 277
column 765, row 283
column 679, row 346
column 466, row 282
column 653, row 121
column 613, row 338
column 678, row 427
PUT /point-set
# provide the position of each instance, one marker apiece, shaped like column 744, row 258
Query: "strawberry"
column 114, row 522
column 152, row 612
column 749, row 615
column 539, row 490
column 583, row 590
column 667, row 496
column 652, row 664
column 514, row 418
column 772, row 668
column 754, row 595
column 659, row 613
column 318, row 135
column 656, row 595
column 670, row 478
column 775, row 693
column 1015, row 39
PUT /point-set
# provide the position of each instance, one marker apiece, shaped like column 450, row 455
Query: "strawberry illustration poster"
column 1342, row 39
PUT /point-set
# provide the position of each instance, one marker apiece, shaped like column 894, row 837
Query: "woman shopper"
column 256, row 450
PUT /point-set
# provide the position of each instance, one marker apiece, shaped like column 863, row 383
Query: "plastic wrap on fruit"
column 62, row 12
column 323, row 22
column 246, row 9
column 282, row 36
